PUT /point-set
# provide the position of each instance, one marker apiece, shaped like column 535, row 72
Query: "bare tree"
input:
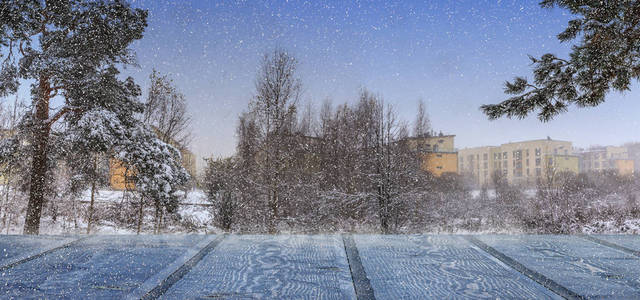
column 274, row 106
column 306, row 123
column 166, row 110
column 422, row 125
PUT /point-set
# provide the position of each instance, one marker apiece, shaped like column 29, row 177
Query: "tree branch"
column 21, row 49
column 62, row 112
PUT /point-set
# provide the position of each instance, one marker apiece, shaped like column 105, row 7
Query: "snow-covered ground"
column 631, row 226
column 492, row 193
column 196, row 216
column 195, row 211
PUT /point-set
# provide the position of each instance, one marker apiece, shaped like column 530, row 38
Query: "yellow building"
column 120, row 176
column 438, row 163
column 563, row 163
column 479, row 163
column 437, row 153
column 606, row 158
column 520, row 163
column 624, row 166
column 189, row 162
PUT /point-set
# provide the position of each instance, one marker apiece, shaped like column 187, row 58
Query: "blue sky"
column 453, row 54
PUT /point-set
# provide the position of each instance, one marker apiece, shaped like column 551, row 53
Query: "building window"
column 527, row 151
column 486, row 165
column 550, row 161
column 439, row 155
column 527, row 162
column 485, row 156
column 440, row 141
column 538, row 173
column 566, row 152
column 537, row 162
column 538, row 151
column 504, row 155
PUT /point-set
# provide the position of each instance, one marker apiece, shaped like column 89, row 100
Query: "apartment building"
column 634, row 154
column 437, row 153
column 606, row 158
column 520, row 162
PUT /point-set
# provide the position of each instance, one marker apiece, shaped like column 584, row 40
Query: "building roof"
column 536, row 140
column 428, row 137
column 519, row 142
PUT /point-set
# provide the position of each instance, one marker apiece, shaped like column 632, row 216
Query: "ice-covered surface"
column 438, row 267
column 273, row 267
column 17, row 247
column 629, row 241
column 318, row 266
column 98, row 267
column 584, row 267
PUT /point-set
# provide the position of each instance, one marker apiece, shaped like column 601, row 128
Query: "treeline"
column 348, row 168
column 343, row 168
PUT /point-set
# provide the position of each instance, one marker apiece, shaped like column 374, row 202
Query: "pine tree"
column 71, row 49
column 221, row 183
column 606, row 59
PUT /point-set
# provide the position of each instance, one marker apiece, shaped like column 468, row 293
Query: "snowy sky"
column 453, row 54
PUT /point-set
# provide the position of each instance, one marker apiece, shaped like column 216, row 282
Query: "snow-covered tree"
column 70, row 50
column 157, row 170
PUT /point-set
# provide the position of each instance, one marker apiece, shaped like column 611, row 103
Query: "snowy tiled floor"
column 320, row 267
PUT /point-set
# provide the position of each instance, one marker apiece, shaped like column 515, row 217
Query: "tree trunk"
column 75, row 213
column 7, row 190
column 273, row 205
column 140, row 215
column 384, row 214
column 156, row 226
column 93, row 196
column 39, row 164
